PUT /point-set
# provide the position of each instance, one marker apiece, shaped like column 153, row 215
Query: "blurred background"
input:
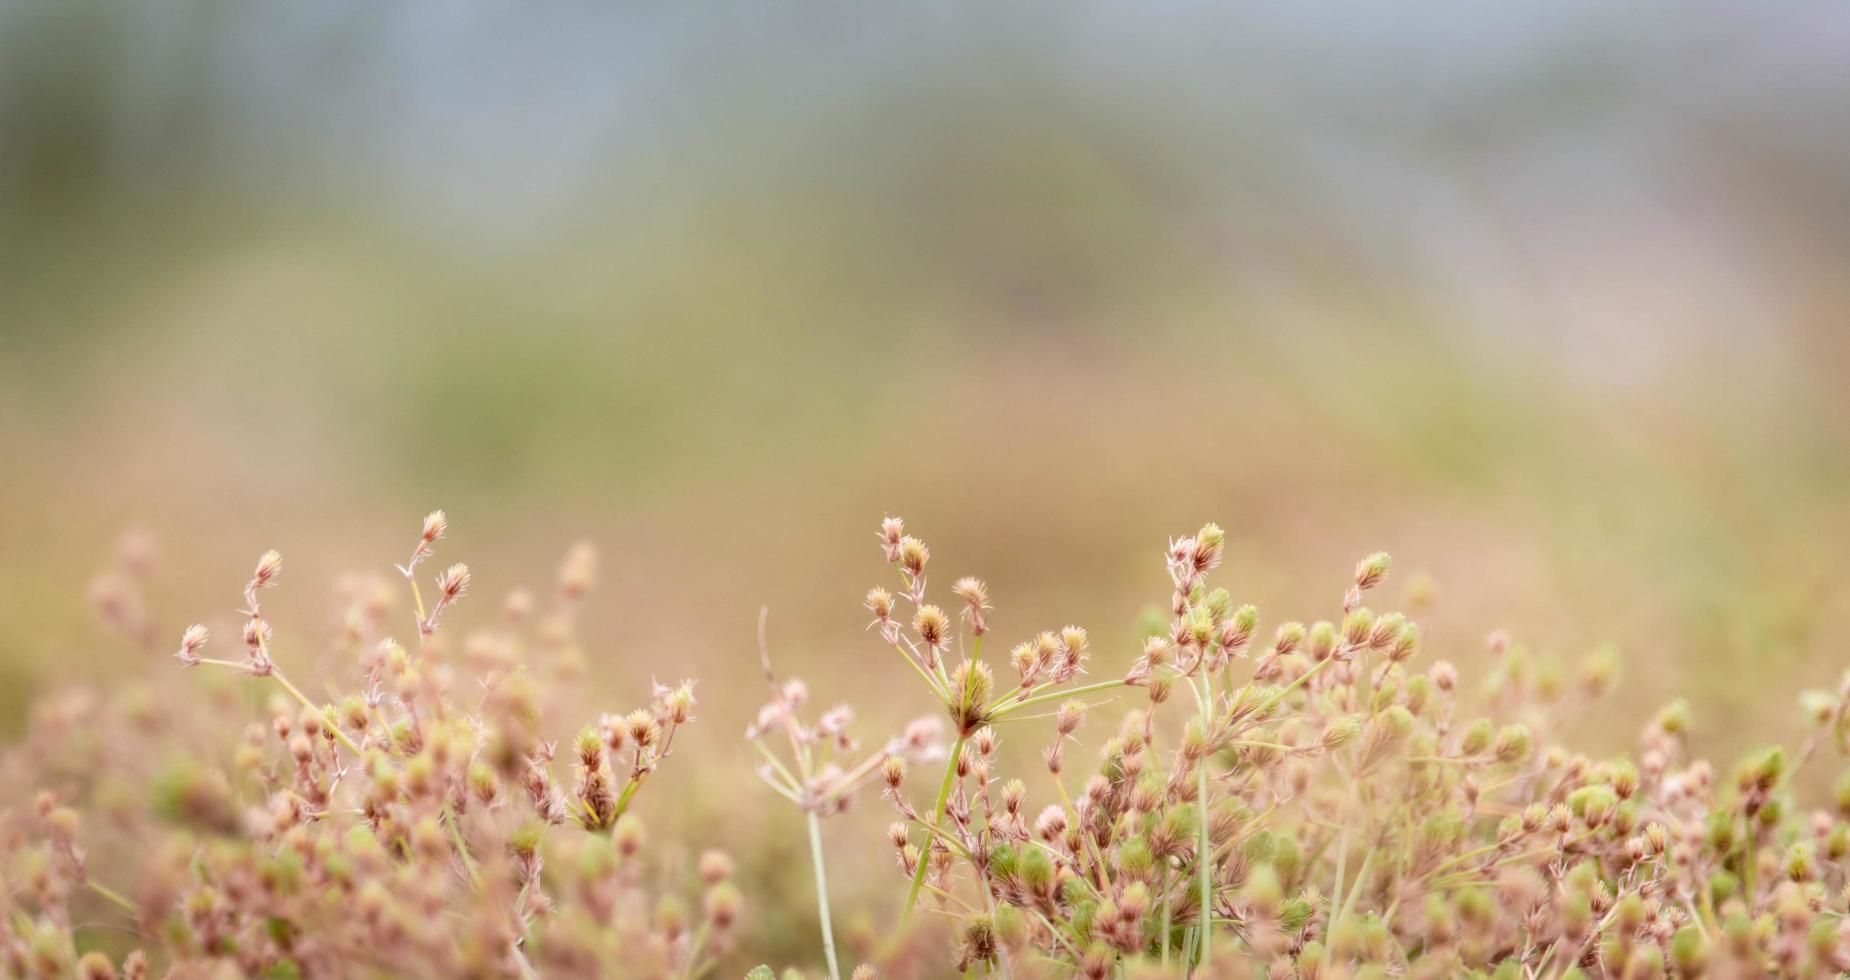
column 1548, row 301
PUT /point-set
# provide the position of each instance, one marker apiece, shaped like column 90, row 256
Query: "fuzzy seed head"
column 1288, row 637
column 644, row 731
column 453, row 582
column 1209, row 542
column 269, row 564
column 976, row 602
column 1371, row 570
column 930, row 624
column 892, row 531
column 913, row 555
column 191, row 640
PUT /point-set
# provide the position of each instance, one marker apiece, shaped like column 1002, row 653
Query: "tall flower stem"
column 937, row 813
column 822, row 894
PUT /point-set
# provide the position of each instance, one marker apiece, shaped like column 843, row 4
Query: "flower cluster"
column 398, row 830
column 1327, row 808
column 1314, row 800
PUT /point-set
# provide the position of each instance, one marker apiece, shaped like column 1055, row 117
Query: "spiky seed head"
column 1199, row 626
column 892, row 531
column 1156, row 651
column 1386, row 631
column 1513, row 744
column 1287, row 639
column 644, row 731
column 1341, row 732
column 1371, row 570
column 1209, row 542
column 191, row 640
column 1051, row 824
column 931, row 625
column 880, row 603
column 590, row 747
column 1161, row 684
column 1444, row 675
column 1477, row 737
column 268, row 565
column 1321, row 640
column 678, row 703
column 434, row 526
column 615, row 729
column 893, row 771
column 978, row 942
column 1237, row 632
column 913, row 555
column 976, row 602
column 971, row 687
column 454, row 581
column 1025, row 662
column 1358, row 626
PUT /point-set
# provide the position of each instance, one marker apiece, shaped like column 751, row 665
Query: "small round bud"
column 715, row 867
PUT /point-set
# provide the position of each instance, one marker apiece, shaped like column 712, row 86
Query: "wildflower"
column 191, row 640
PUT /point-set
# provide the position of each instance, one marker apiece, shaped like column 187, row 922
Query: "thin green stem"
column 462, row 848
column 1010, row 707
column 114, row 897
column 822, row 894
column 1164, row 936
column 937, row 812
column 312, row 706
column 1336, row 892
column 1303, row 678
column 1355, row 890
